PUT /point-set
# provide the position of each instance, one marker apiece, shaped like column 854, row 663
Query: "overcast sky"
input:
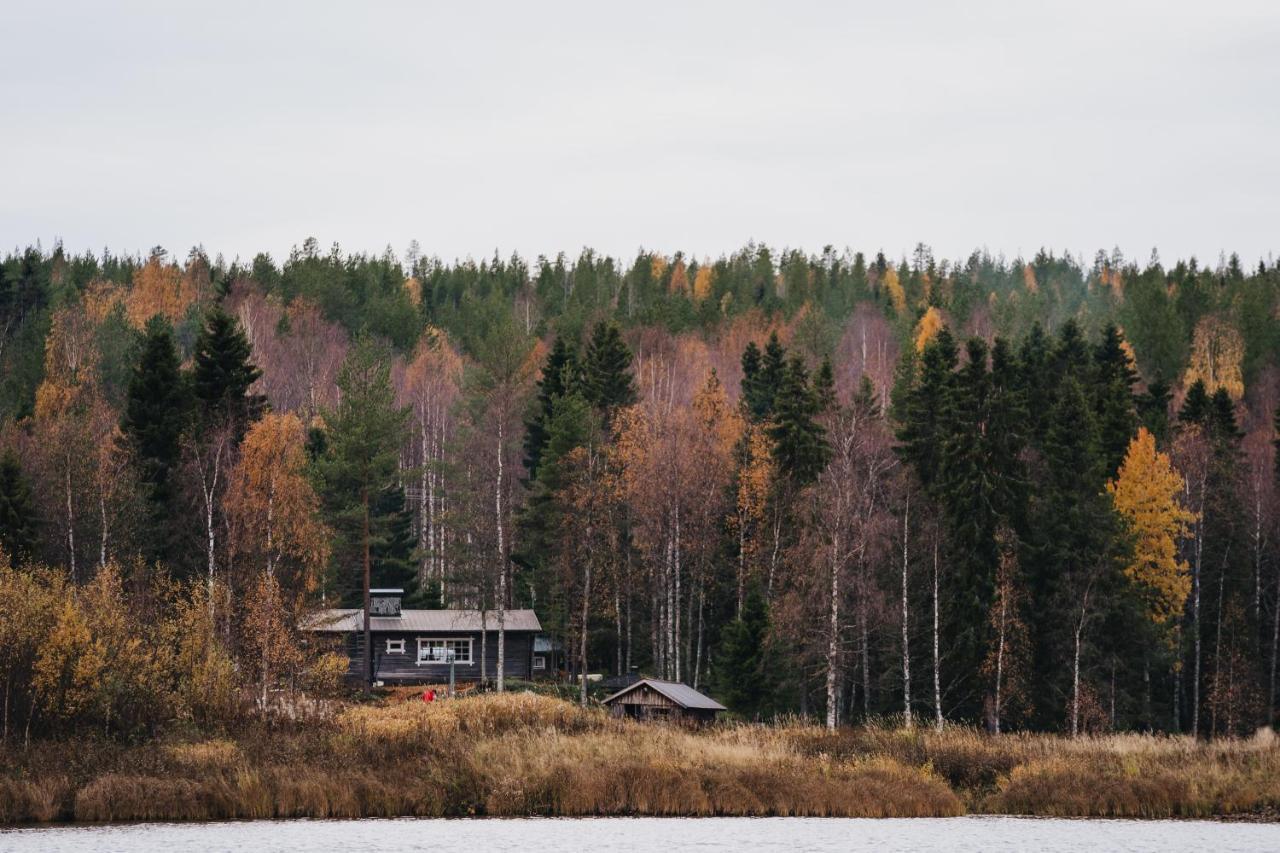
column 541, row 126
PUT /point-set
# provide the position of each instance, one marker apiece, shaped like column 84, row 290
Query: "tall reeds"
column 521, row 754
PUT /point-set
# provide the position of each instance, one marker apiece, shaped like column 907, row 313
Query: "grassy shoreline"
column 519, row 755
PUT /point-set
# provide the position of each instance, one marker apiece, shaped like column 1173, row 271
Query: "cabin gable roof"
column 682, row 694
column 347, row 620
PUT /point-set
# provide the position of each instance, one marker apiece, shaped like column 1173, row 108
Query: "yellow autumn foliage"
column 702, row 283
column 1145, row 493
column 896, row 294
column 928, row 328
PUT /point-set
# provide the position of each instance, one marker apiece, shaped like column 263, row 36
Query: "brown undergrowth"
column 522, row 754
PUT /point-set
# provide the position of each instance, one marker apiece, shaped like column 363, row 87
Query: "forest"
column 1031, row 494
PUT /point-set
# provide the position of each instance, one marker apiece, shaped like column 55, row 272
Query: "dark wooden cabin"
column 651, row 699
column 415, row 646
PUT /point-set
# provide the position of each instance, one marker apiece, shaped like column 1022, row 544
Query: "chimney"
column 385, row 602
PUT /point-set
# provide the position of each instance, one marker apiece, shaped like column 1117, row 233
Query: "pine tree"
column 607, row 381
column 223, row 374
column 18, row 522
column 365, row 433
column 1113, row 381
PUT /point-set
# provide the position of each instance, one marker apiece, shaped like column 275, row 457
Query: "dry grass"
column 522, row 754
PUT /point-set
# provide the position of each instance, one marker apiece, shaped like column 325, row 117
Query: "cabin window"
column 432, row 651
column 539, row 661
column 395, row 647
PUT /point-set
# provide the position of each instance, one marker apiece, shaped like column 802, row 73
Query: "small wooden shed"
column 651, row 699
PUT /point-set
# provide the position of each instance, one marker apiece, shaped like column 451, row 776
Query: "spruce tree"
column 607, row 381
column 965, row 487
column 157, row 410
column 1073, row 531
column 773, row 367
column 223, row 374
column 394, row 555
column 1114, row 408
column 752, row 392
column 824, row 386
column 1036, row 382
column 1153, row 410
column 927, row 409
column 1196, row 406
column 18, row 522
column 573, row 424
column 741, row 671
column 559, row 377
column 799, row 441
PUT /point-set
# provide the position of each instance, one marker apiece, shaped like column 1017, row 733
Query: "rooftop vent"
column 385, row 602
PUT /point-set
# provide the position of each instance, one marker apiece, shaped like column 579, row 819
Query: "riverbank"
column 523, row 755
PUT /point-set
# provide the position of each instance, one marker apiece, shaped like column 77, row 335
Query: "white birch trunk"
column 833, row 640
column 502, row 570
column 906, row 644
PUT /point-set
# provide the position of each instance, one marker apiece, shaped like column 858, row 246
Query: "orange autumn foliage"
column 159, row 288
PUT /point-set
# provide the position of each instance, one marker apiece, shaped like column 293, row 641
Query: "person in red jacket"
column 428, row 695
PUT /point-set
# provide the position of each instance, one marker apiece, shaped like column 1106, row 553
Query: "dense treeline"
column 1033, row 493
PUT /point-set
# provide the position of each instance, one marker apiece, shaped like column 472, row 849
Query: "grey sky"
column 545, row 126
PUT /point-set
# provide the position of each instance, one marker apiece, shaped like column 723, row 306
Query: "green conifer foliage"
column 364, row 435
column 224, row 372
column 607, row 380
column 157, row 410
column 18, row 522
column 741, row 675
column 799, row 441
column 559, row 377
column 927, row 409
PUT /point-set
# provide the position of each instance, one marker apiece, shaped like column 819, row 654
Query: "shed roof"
column 682, row 694
column 341, row 621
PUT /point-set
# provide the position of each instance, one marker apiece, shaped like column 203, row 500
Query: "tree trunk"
column 697, row 660
column 71, row 524
column 1075, row 663
column 617, row 631
column 906, row 635
column 1275, row 647
column 937, row 662
column 502, row 570
column 866, row 658
column 364, row 535
column 1004, row 607
column 833, row 639
column 106, row 528
column 1195, row 628
column 1075, row 684
column 582, row 649
column 1195, row 618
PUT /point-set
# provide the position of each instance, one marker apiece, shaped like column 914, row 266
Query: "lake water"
column 708, row 835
